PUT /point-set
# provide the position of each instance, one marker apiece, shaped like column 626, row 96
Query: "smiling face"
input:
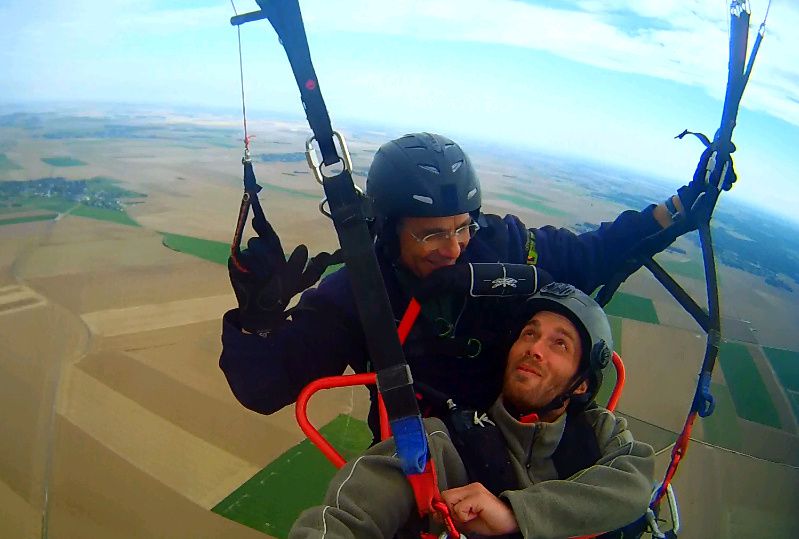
column 542, row 363
column 423, row 257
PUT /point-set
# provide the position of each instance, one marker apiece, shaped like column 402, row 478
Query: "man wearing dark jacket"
column 544, row 461
column 431, row 241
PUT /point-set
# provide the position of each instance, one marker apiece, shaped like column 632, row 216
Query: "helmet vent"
column 471, row 193
column 430, row 168
column 421, row 198
column 456, row 165
column 415, row 147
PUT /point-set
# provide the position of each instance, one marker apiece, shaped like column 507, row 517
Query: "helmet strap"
column 561, row 399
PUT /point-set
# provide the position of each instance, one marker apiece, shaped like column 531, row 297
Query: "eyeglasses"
column 439, row 238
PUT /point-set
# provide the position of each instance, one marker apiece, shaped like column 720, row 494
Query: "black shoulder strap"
column 578, row 449
column 346, row 209
column 483, row 449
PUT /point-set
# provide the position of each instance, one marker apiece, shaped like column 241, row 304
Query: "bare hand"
column 475, row 509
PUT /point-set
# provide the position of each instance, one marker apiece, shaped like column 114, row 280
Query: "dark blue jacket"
column 324, row 334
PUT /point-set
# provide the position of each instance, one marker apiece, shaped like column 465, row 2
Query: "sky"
column 608, row 80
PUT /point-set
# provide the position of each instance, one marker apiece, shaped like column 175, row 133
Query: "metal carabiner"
column 322, row 209
column 674, row 513
column 316, row 165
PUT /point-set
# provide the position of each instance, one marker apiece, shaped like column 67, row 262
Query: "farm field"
column 118, row 421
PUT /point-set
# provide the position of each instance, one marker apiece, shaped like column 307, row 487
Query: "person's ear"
column 581, row 389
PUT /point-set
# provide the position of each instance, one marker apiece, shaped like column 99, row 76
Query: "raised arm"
column 267, row 372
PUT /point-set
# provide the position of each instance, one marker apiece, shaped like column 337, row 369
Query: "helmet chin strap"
column 561, row 399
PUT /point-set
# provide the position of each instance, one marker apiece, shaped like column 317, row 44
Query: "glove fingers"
column 730, row 177
column 314, row 270
column 267, row 234
column 701, row 167
column 264, row 257
column 297, row 261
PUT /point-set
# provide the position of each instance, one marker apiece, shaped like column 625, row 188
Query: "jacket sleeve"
column 607, row 496
column 589, row 259
column 268, row 373
column 370, row 497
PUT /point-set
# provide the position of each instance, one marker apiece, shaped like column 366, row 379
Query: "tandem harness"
column 347, row 210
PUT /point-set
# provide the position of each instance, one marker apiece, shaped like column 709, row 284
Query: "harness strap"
column 286, row 19
column 428, row 499
column 394, row 380
column 737, row 77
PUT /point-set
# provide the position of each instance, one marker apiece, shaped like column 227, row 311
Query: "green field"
column 532, row 203
column 274, row 497
column 331, row 269
column 292, row 192
column 7, row 164
column 786, row 364
column 632, row 306
column 63, row 161
column 211, row 250
column 793, row 396
column 28, row 219
column 110, row 186
column 693, row 269
column 103, row 214
column 214, row 251
column 748, row 391
column 722, row 427
column 25, row 204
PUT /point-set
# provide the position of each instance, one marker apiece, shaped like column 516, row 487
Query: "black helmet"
column 592, row 325
column 422, row 175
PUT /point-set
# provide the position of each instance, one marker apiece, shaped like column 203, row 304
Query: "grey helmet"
column 592, row 325
column 422, row 175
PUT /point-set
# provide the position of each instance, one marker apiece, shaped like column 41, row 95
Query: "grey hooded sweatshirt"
column 370, row 497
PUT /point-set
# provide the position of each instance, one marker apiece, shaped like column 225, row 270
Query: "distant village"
column 96, row 192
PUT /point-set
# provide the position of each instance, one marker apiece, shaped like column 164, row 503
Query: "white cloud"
column 687, row 40
column 683, row 41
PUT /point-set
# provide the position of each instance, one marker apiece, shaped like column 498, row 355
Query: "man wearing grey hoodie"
column 543, row 461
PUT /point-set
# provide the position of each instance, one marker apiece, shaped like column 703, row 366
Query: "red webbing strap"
column 385, row 426
column 425, row 488
column 405, row 325
column 428, row 498
column 677, row 453
column 424, row 485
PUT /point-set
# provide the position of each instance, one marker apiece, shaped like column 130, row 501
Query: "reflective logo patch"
column 503, row 282
column 532, row 254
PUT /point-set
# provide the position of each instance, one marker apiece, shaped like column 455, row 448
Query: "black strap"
column 286, row 19
column 347, row 211
column 483, row 449
column 710, row 320
column 578, row 448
